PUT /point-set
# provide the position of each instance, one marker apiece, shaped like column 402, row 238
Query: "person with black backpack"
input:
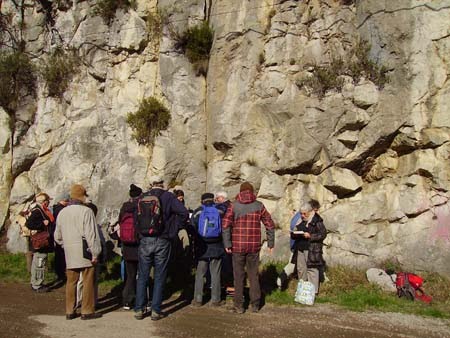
column 129, row 242
column 206, row 219
column 158, row 218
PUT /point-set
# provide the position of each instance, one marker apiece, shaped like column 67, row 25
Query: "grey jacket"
column 73, row 223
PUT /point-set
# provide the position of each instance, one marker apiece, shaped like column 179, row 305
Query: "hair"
column 222, row 193
column 306, row 207
column 178, row 192
column 314, row 204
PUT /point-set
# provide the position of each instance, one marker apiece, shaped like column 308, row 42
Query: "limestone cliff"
column 375, row 156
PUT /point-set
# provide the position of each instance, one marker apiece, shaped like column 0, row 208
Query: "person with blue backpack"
column 206, row 219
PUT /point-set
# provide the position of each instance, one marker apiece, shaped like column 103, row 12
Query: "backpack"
column 127, row 232
column 209, row 223
column 409, row 286
column 149, row 215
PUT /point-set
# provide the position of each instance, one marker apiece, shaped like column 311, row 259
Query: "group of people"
column 223, row 238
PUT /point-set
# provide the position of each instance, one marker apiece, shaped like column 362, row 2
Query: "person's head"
column 246, row 186
column 63, row 198
column 43, row 199
column 135, row 191
column 306, row 210
column 78, row 192
column 207, row 198
column 314, row 204
column 221, row 196
column 179, row 194
column 156, row 182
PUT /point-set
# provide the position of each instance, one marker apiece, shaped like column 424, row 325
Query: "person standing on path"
column 77, row 223
column 242, row 237
column 40, row 219
column 160, row 215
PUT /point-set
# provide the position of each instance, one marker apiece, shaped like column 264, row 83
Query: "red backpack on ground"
column 409, row 285
column 127, row 231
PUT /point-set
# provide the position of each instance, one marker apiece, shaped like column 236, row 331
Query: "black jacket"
column 318, row 233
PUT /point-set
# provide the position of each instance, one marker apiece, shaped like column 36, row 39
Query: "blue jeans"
column 152, row 251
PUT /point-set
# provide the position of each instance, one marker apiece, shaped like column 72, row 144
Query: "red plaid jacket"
column 242, row 224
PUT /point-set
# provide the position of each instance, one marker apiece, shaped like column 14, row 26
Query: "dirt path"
column 24, row 314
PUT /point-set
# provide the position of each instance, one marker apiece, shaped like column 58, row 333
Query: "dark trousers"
column 241, row 263
column 129, row 290
column 60, row 262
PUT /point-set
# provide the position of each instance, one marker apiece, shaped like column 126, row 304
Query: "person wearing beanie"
column 242, row 238
column 40, row 220
column 129, row 250
column 209, row 250
column 76, row 224
column 135, row 191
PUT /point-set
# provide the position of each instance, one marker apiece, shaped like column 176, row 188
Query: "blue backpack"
column 209, row 223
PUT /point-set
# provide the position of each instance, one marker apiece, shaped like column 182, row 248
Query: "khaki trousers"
column 88, row 299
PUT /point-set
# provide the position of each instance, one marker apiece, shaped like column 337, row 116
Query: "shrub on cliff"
column 17, row 79
column 357, row 64
column 107, row 8
column 149, row 120
column 58, row 71
column 196, row 43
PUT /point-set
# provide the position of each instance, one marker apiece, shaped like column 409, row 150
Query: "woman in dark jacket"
column 41, row 219
column 309, row 235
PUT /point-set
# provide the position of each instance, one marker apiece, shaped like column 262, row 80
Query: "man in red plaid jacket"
column 242, row 237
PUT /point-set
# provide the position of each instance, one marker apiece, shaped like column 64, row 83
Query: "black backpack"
column 149, row 215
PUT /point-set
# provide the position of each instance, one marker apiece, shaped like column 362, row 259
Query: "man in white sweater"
column 76, row 223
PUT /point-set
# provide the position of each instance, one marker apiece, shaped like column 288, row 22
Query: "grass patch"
column 13, row 268
column 350, row 289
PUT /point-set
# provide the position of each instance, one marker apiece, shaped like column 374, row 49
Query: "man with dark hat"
column 209, row 249
column 75, row 224
column 130, row 249
column 242, row 238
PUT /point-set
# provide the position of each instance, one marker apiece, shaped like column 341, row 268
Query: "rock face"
column 375, row 157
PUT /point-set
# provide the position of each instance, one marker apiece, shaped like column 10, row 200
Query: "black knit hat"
column 135, row 191
column 207, row 196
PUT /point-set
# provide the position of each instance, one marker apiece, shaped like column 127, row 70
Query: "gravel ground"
column 25, row 314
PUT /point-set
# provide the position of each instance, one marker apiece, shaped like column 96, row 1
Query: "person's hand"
column 270, row 251
column 228, row 250
column 307, row 235
column 94, row 260
column 46, row 222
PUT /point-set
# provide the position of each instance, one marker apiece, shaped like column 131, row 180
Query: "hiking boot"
column 71, row 316
column 139, row 315
column 157, row 316
column 254, row 309
column 42, row 289
column 90, row 316
column 238, row 310
column 217, row 304
column 194, row 303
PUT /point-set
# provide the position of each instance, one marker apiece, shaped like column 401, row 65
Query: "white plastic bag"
column 306, row 293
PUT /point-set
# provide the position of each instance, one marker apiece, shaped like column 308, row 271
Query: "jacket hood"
column 246, row 197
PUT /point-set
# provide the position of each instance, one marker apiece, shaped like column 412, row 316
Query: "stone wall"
column 375, row 158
